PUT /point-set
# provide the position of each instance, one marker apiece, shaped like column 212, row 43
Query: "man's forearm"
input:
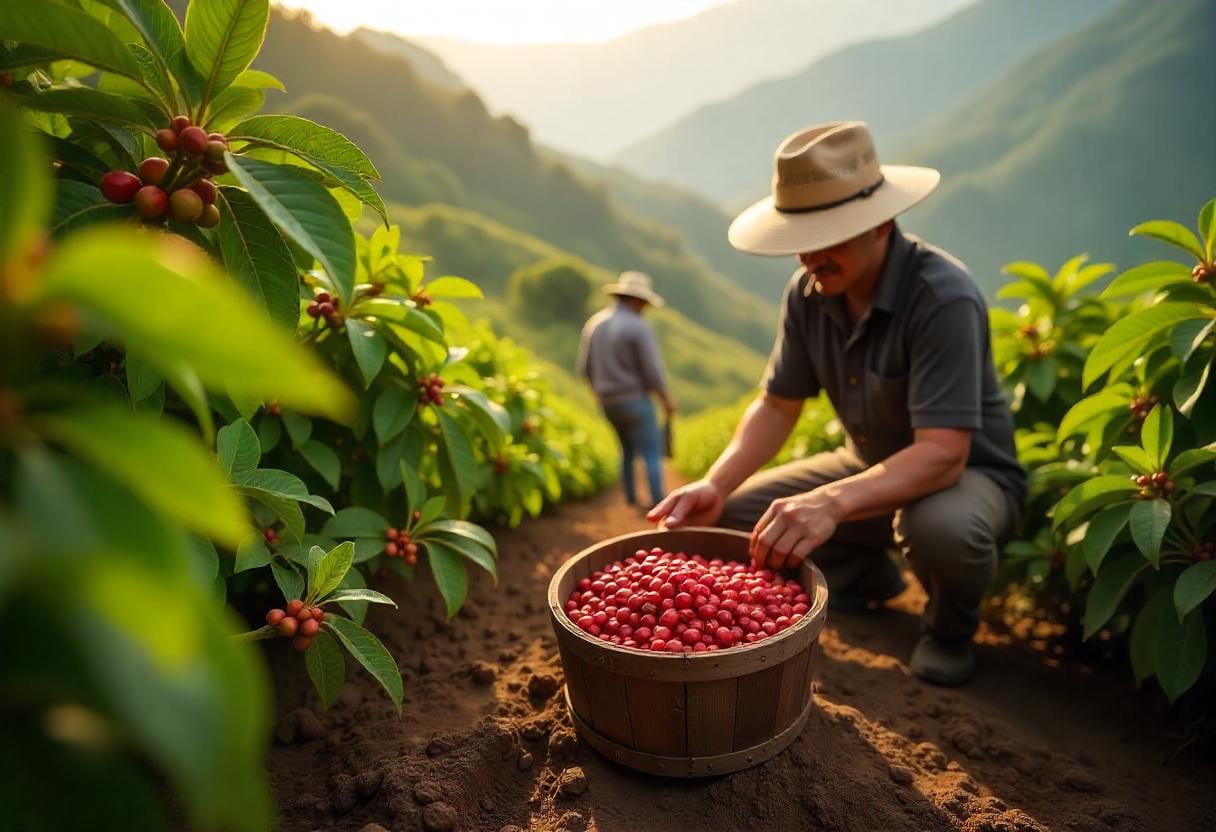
column 760, row 434
column 918, row 470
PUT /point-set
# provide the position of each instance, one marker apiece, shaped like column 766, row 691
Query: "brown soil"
column 484, row 744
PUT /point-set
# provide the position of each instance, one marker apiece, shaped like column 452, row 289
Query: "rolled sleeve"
column 946, row 367
column 789, row 373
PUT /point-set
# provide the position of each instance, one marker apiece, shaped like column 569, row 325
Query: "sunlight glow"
column 501, row 21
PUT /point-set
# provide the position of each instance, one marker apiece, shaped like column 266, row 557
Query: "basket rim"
column 814, row 617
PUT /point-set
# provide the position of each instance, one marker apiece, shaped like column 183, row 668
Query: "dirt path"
column 481, row 745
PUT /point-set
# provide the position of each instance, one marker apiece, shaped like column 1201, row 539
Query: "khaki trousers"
column 951, row 537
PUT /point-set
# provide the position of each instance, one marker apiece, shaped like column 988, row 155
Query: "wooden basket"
column 690, row 715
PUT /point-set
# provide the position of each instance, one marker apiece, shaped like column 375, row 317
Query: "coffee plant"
column 173, row 262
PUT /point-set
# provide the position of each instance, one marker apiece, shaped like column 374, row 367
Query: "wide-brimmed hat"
column 635, row 285
column 828, row 187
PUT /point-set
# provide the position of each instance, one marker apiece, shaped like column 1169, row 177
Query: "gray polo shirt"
column 921, row 357
column 619, row 355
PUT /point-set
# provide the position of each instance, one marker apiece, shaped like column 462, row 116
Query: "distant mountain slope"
column 897, row 85
column 1109, row 127
column 595, row 99
column 427, row 64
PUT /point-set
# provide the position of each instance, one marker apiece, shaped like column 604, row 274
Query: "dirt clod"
column 543, row 685
column 439, row 817
column 572, row 782
column 901, row 775
column 427, row 792
column 300, row 725
column 483, row 673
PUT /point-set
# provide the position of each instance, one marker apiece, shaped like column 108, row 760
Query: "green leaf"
column 1190, row 386
column 1103, row 529
column 163, row 36
column 252, row 553
column 1130, row 336
column 232, row 105
column 471, row 551
column 449, row 286
column 388, row 459
column 406, row 316
column 79, row 205
column 1148, row 521
column 306, row 139
column 1207, row 227
column 491, row 417
column 1187, row 337
column 369, row 347
column 1194, row 586
column 270, row 431
column 1111, row 584
column 1090, row 496
column 222, row 39
column 353, row 594
column 281, row 484
column 1157, row 434
column 305, row 211
column 1138, row 458
column 256, row 79
column 459, row 454
column 1182, row 649
column 1147, row 277
column 324, row 461
column 1173, row 233
column 1143, row 643
column 331, row 570
column 257, row 257
column 161, row 462
column 1207, row 489
column 288, row 578
column 415, row 490
column 431, row 510
column 1087, row 275
column 96, row 105
column 299, row 428
column 465, row 529
column 370, row 653
column 392, row 411
column 68, row 33
column 326, row 668
column 238, row 447
column 1192, row 458
column 1041, row 377
column 447, row 567
column 25, row 186
column 113, row 272
column 355, row 521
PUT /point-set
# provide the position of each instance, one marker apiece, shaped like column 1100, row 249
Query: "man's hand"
column 696, row 504
column 792, row 528
column 669, row 406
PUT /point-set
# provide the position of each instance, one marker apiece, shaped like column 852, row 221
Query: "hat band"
column 862, row 194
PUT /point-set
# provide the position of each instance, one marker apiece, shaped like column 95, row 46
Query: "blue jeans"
column 637, row 427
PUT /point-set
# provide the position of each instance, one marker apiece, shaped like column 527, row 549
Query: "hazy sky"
column 502, row 21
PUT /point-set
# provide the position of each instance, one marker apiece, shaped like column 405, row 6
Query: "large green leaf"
column 95, row 105
column 492, row 419
column 288, row 578
column 307, row 139
column 1207, row 227
column 238, row 447
column 359, row 594
column 465, row 529
column 1129, row 336
column 459, row 454
column 1041, row 377
column 257, row 257
column 1174, row 233
column 299, row 428
column 406, row 316
column 158, row 460
column 1157, row 434
column 450, row 286
column 25, row 186
column 355, row 521
column 1182, row 650
column 1192, row 458
column 1113, row 581
column 1103, row 529
column 222, row 39
column 68, row 32
column 1191, row 384
column 113, row 273
column 470, row 550
column 1139, row 459
column 79, row 205
column 369, row 347
column 326, row 668
column 163, row 36
column 447, row 567
column 392, row 411
column 281, row 484
column 252, row 553
column 1148, row 521
column 1090, row 496
column 370, row 653
column 324, row 460
column 1147, row 277
column 1188, row 336
column 1142, row 645
column 305, row 211
column 1194, row 586
column 331, row 570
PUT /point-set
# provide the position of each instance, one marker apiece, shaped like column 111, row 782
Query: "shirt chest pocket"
column 886, row 404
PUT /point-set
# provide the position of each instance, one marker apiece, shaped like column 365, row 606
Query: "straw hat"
column 634, row 285
column 828, row 187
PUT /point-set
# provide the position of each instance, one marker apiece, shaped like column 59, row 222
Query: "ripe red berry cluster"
column 326, row 306
column 1203, row 272
column 399, row 545
column 1204, row 550
column 1140, row 406
column 431, row 389
column 665, row 602
column 271, row 536
column 422, row 298
column 298, row 623
column 1154, row 485
column 180, row 188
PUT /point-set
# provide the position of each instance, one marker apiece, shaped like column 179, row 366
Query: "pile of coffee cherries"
column 676, row 603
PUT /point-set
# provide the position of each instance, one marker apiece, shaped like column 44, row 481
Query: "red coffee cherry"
column 294, row 606
column 179, row 124
column 151, row 202
column 206, row 189
column 193, row 140
column 153, row 169
column 275, row 616
column 301, row 643
column 120, row 186
column 288, row 627
column 186, row 205
column 309, row 628
column 166, row 139
column 210, row 217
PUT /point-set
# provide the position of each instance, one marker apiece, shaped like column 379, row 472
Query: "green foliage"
column 551, row 291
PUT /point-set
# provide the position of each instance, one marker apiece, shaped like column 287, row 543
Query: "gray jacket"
column 619, row 355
